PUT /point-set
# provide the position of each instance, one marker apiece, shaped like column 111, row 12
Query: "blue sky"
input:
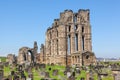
column 24, row 21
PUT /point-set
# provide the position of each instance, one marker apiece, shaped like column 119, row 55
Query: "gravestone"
column 68, row 74
column 10, row 77
column 1, row 74
column 20, row 67
column 16, row 77
column 42, row 74
column 71, row 78
column 30, row 75
column 82, row 78
column 36, row 68
column 12, row 73
column 28, row 79
column 78, row 70
column 47, row 75
column 91, row 75
column 55, row 72
column 29, row 70
column 65, row 72
column 42, row 66
column 68, row 69
column 1, row 67
column 23, row 77
column 6, row 64
column 99, row 77
column 73, row 74
column 117, row 76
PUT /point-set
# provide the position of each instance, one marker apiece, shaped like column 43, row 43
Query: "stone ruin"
column 11, row 58
column 68, row 41
column 27, row 55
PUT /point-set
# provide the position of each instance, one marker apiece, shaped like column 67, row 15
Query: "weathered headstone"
column 20, row 67
column 29, row 70
column 1, row 67
column 68, row 74
column 82, row 78
column 73, row 74
column 30, row 75
column 77, row 70
column 42, row 74
column 71, row 78
column 23, row 77
column 1, row 74
column 68, row 69
column 65, row 72
column 91, row 75
column 47, row 75
column 10, row 77
column 55, row 72
column 29, row 79
column 42, row 65
column 12, row 73
column 16, row 77
column 117, row 76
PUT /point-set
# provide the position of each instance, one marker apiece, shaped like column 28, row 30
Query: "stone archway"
column 23, row 55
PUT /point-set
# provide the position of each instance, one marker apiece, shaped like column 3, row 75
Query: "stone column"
column 52, row 47
column 79, row 38
column 87, row 38
column 73, row 60
column 72, row 37
column 80, row 59
column 77, row 59
column 55, row 47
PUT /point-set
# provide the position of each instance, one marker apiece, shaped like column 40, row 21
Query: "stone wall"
column 70, row 35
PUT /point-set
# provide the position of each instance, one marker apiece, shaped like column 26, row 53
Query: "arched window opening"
column 87, row 57
column 69, row 28
column 76, row 27
column 57, row 48
column 24, row 56
column 76, row 42
column 29, row 56
column 83, row 43
column 75, row 18
column 82, row 29
column 68, row 45
column 78, row 59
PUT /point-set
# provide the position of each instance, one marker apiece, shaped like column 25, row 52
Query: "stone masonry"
column 68, row 41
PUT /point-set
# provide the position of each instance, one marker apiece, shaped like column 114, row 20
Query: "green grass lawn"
column 3, row 59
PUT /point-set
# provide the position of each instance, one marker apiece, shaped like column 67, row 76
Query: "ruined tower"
column 69, row 39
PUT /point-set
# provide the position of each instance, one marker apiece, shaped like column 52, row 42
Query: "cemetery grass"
column 3, row 59
column 37, row 76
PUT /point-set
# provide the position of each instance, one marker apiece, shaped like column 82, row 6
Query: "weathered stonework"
column 11, row 58
column 68, row 41
column 27, row 54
